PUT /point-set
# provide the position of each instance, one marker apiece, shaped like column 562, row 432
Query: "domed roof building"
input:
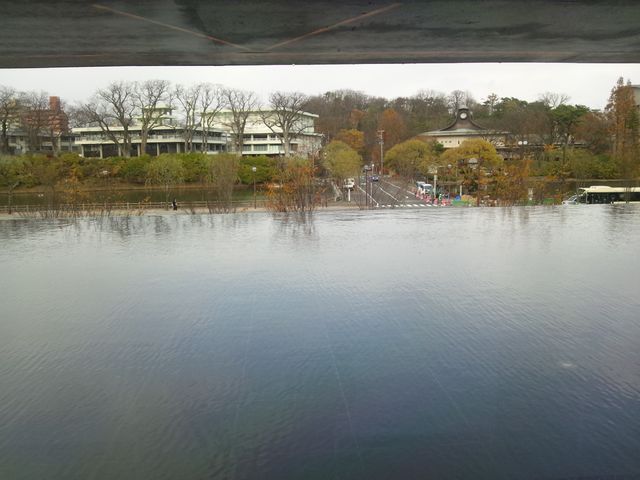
column 462, row 128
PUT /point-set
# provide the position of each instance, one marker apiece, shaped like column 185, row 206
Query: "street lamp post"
column 255, row 205
column 381, row 141
column 367, row 182
column 371, row 185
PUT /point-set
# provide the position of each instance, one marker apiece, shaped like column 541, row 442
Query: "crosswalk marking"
column 405, row 205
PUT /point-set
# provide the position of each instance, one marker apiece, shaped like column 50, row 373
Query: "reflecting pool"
column 440, row 343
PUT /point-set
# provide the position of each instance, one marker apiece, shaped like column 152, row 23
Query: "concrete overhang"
column 37, row 33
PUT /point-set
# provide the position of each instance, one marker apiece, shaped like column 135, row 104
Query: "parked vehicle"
column 572, row 200
column 424, row 188
column 599, row 194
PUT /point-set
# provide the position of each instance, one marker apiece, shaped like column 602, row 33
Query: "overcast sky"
column 587, row 84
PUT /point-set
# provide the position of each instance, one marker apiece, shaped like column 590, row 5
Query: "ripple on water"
column 436, row 343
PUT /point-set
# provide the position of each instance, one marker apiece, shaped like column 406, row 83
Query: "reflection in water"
column 296, row 226
column 441, row 343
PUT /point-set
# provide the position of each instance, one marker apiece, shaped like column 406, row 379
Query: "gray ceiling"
column 198, row 32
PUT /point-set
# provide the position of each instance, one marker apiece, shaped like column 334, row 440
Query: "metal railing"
column 133, row 207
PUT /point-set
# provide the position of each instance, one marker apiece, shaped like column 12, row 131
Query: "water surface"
column 440, row 343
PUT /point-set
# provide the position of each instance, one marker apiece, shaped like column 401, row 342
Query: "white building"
column 166, row 137
column 464, row 128
column 19, row 143
column 260, row 139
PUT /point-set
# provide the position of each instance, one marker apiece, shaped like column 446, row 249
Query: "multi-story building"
column 165, row 137
column 168, row 137
column 261, row 139
column 41, row 130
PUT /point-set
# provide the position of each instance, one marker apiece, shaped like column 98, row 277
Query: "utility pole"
column 255, row 204
column 366, row 189
column 381, row 142
column 366, row 200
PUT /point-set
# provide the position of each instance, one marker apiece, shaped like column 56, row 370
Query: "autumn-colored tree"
column 413, row 157
column 474, row 158
column 355, row 117
column 353, row 138
column 481, row 150
column 624, row 124
column 73, row 195
column 341, row 161
column 427, row 110
column 393, row 126
column 509, row 184
column 335, row 108
column 295, row 190
column 594, row 131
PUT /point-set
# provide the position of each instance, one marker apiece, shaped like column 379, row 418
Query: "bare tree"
column 212, row 100
column 552, row 100
column 458, row 99
column 112, row 109
column 285, row 117
column 57, row 124
column 9, row 110
column 240, row 104
column 148, row 97
column 188, row 98
column 35, row 117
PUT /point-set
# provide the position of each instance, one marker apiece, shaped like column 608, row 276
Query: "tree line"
column 121, row 106
column 551, row 140
column 71, row 180
column 562, row 139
